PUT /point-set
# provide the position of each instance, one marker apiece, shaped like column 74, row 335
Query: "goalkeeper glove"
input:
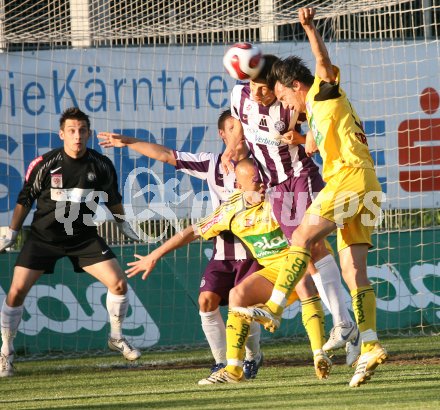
column 8, row 240
column 128, row 231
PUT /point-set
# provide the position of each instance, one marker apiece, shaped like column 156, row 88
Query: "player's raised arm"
column 147, row 263
column 235, row 137
column 149, row 149
column 324, row 68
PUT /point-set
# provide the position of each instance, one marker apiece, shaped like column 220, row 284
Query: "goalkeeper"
column 67, row 183
column 250, row 218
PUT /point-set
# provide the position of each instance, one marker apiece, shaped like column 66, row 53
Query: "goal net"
column 153, row 69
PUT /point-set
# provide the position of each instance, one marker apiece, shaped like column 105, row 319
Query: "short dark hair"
column 222, row 119
column 269, row 61
column 288, row 70
column 73, row 113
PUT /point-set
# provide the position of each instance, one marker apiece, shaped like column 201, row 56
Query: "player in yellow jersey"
column 249, row 217
column 351, row 198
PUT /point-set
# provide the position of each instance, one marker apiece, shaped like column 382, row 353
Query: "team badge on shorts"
column 203, row 282
column 56, row 180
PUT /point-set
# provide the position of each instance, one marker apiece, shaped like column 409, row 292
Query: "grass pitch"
column 168, row 380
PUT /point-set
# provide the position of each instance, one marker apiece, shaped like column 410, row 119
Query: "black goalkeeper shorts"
column 40, row 255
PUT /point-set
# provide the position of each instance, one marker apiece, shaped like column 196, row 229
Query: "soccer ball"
column 243, row 61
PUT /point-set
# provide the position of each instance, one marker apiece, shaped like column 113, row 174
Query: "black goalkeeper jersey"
column 67, row 191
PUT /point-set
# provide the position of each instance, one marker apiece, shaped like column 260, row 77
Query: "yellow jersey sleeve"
column 336, row 127
column 220, row 219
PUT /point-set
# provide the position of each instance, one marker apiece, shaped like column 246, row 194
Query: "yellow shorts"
column 271, row 275
column 352, row 200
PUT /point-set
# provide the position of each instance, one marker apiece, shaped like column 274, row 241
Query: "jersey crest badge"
column 280, row 126
column 91, row 177
column 56, row 180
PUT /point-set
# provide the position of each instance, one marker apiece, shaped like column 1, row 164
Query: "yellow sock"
column 290, row 273
column 313, row 321
column 237, row 331
column 364, row 308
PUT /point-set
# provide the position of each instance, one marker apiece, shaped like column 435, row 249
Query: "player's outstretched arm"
column 150, row 150
column 18, row 217
column 147, row 263
column 324, row 68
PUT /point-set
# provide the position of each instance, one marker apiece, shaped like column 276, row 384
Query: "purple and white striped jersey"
column 207, row 166
column 263, row 127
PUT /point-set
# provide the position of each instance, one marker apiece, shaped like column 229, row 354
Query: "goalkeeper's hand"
column 128, row 231
column 8, row 240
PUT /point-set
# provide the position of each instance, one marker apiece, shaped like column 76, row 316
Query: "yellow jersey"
column 336, row 127
column 254, row 225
